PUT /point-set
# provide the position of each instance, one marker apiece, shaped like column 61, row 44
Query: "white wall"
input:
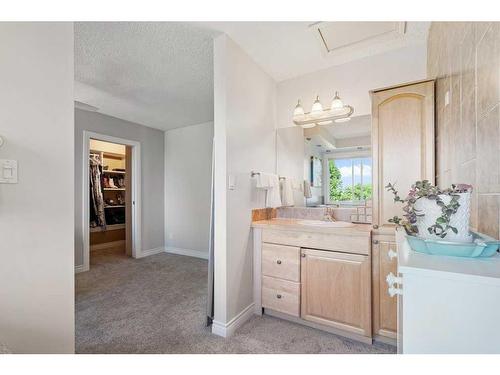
column 290, row 157
column 36, row 215
column 152, row 173
column 188, row 178
column 245, row 140
column 353, row 80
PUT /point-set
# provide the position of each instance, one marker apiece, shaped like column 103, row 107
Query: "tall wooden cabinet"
column 403, row 145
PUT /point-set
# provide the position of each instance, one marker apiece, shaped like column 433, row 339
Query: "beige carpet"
column 157, row 305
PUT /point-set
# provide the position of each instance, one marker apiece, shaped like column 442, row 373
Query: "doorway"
column 111, row 191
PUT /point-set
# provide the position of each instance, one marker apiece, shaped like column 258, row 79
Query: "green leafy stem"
column 424, row 189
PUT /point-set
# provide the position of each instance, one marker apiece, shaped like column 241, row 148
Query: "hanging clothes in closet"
column 97, row 216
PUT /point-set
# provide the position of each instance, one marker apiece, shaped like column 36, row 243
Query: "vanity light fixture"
column 345, row 119
column 338, row 112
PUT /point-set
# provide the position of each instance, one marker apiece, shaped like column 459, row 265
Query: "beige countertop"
column 342, row 228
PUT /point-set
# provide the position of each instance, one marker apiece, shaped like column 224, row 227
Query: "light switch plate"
column 8, row 171
column 231, row 185
column 446, row 98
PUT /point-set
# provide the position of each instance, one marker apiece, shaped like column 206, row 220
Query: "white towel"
column 271, row 184
column 286, row 192
column 307, row 189
column 266, row 180
column 297, row 185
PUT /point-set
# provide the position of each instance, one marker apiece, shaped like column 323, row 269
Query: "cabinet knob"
column 278, row 296
column 278, row 261
column 375, row 226
column 303, row 255
column 375, row 242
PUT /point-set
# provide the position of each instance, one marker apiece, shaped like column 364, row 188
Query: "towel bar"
column 253, row 174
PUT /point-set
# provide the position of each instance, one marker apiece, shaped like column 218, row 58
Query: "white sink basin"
column 329, row 224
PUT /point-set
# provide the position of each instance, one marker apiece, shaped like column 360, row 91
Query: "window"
column 350, row 179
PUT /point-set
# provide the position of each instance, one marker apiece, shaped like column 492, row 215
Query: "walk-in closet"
column 109, row 190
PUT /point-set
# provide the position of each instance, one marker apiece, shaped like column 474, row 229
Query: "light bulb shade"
column 345, row 119
column 337, row 102
column 327, row 122
column 317, row 106
column 308, row 126
column 298, row 111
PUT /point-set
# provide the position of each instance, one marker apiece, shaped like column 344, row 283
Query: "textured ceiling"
column 159, row 74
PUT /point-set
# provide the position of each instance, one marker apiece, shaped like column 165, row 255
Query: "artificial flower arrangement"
column 434, row 213
column 437, row 221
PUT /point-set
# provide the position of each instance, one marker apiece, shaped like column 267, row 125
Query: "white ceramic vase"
column 459, row 220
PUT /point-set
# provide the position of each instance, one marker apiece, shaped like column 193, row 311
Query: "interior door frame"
column 136, row 193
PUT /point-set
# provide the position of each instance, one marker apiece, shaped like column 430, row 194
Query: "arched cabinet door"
column 402, row 143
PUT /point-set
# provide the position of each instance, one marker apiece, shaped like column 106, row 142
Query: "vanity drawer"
column 346, row 243
column 281, row 261
column 281, row 295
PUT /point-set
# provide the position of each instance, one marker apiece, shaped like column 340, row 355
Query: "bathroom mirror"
column 334, row 159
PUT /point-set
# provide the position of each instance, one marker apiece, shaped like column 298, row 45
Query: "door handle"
column 392, row 254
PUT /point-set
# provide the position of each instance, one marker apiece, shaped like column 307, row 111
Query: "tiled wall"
column 465, row 59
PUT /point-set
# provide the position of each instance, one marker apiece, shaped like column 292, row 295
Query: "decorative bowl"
column 482, row 246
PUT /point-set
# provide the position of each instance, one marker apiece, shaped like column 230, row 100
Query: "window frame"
column 326, row 175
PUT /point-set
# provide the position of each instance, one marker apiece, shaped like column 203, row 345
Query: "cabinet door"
column 384, row 306
column 402, row 143
column 336, row 290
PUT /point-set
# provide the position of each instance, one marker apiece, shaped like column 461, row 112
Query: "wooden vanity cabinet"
column 315, row 277
column 402, row 144
column 384, row 254
column 403, row 151
column 336, row 290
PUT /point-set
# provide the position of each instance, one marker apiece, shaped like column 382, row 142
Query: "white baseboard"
column 228, row 329
column 146, row 253
column 186, row 252
column 80, row 268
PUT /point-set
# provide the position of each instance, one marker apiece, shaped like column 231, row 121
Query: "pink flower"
column 463, row 187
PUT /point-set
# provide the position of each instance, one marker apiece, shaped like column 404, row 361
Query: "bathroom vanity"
column 338, row 277
column 315, row 273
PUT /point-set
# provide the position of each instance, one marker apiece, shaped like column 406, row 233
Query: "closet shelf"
column 108, row 227
column 115, row 206
column 116, row 172
column 117, row 189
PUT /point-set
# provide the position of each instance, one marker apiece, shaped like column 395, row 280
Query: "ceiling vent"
column 347, row 36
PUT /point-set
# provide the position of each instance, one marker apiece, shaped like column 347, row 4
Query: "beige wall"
column 245, row 141
column 188, row 179
column 36, row 214
column 465, row 59
column 152, row 173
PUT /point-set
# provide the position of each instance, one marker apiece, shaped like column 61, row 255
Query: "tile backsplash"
column 464, row 57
